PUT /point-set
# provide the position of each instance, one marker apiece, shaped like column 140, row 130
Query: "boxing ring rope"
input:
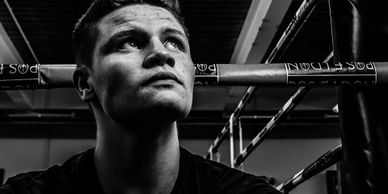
column 323, row 162
column 292, row 29
column 231, row 141
column 44, row 76
column 240, row 140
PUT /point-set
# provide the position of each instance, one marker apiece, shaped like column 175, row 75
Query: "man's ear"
column 82, row 83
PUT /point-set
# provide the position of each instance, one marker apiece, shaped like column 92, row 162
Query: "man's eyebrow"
column 169, row 30
column 112, row 39
column 122, row 33
column 119, row 20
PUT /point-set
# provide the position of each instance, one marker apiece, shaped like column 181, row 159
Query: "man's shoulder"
column 31, row 182
column 56, row 178
column 228, row 180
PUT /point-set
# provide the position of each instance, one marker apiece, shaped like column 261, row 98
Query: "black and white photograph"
column 193, row 96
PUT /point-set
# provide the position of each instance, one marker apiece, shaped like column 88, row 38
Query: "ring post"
column 359, row 34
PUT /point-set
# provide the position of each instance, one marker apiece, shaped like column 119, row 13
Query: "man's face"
column 142, row 68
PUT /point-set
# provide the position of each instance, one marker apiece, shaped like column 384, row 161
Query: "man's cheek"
column 113, row 79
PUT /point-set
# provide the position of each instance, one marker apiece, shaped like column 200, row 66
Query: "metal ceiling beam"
column 260, row 26
column 268, row 30
column 33, row 99
column 9, row 54
column 253, row 21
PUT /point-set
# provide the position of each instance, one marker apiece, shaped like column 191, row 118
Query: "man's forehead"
column 139, row 12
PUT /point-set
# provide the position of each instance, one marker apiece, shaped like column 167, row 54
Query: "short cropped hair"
column 85, row 33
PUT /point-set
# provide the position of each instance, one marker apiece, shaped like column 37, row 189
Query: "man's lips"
column 162, row 76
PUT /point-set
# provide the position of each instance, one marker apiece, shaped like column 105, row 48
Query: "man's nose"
column 158, row 55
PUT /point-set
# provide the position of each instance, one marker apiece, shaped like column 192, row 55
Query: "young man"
column 136, row 72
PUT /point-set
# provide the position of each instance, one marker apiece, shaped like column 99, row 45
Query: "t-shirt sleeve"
column 6, row 189
column 22, row 184
column 259, row 186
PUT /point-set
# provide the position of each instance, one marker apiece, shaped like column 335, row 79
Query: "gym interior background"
column 39, row 128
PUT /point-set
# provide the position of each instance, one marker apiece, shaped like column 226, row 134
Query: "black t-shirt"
column 196, row 176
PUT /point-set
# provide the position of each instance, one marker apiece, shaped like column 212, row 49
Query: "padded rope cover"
column 37, row 76
column 360, row 32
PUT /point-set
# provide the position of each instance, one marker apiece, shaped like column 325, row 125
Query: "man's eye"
column 173, row 45
column 129, row 45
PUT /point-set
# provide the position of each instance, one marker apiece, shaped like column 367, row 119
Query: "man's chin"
column 169, row 106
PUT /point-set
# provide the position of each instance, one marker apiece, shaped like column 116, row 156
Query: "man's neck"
column 131, row 162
